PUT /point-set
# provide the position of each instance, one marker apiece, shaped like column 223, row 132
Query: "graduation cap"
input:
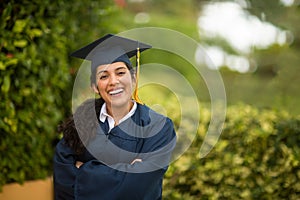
column 110, row 49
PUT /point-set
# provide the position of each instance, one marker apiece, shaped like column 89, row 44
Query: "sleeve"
column 64, row 172
column 98, row 181
column 142, row 180
column 94, row 180
column 155, row 150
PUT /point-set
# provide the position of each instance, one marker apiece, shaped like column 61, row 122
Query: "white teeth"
column 115, row 91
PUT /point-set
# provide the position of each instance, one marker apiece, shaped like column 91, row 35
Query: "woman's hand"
column 136, row 160
column 78, row 164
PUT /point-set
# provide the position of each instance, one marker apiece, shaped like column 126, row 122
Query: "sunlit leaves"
column 256, row 157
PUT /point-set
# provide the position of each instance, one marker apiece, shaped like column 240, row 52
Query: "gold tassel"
column 135, row 93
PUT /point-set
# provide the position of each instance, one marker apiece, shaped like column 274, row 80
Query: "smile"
column 115, row 92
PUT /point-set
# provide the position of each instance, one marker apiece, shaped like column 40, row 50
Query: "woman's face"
column 115, row 84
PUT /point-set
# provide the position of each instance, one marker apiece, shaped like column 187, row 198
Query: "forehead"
column 111, row 67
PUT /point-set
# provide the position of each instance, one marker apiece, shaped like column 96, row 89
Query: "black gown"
column 107, row 173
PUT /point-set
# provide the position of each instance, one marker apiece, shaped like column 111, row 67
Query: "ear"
column 95, row 88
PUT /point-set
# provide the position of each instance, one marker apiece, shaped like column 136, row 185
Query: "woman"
column 113, row 147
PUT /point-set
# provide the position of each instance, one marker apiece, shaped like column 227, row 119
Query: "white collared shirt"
column 111, row 122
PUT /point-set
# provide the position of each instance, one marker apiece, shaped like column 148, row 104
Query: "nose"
column 113, row 80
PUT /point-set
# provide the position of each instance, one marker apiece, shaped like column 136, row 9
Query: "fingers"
column 78, row 164
column 136, row 160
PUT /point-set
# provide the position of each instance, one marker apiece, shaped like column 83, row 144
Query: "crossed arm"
column 79, row 163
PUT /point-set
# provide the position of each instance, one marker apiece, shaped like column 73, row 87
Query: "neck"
column 118, row 112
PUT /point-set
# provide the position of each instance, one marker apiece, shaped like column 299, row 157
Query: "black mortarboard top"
column 110, row 49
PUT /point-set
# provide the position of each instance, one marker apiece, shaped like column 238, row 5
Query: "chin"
column 119, row 102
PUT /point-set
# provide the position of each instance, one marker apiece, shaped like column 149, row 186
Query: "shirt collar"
column 103, row 113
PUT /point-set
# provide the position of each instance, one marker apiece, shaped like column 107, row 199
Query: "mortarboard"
column 110, row 49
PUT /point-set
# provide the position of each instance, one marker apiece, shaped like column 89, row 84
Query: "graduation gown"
column 107, row 172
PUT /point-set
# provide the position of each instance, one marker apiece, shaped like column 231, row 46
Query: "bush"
column 36, row 86
column 256, row 157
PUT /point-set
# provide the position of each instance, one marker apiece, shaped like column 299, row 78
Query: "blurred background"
column 253, row 44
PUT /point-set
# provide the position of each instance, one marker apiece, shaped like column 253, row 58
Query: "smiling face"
column 115, row 84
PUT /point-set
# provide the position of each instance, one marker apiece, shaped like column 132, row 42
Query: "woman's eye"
column 103, row 77
column 121, row 72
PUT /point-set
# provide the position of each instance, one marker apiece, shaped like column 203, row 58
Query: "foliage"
column 256, row 157
column 274, row 69
column 36, row 38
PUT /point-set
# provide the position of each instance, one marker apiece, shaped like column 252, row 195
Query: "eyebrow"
column 118, row 68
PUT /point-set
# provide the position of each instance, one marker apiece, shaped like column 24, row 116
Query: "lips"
column 116, row 91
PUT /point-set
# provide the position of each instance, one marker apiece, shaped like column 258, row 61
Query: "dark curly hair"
column 81, row 127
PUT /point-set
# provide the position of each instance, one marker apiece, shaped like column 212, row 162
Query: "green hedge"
column 256, row 157
column 36, row 38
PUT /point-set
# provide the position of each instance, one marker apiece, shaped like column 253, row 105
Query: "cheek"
column 127, row 81
column 131, row 84
column 101, row 86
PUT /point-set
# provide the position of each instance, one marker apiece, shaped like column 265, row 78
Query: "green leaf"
column 20, row 43
column 6, row 15
column 2, row 66
column 6, row 84
column 19, row 26
column 35, row 32
column 11, row 61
